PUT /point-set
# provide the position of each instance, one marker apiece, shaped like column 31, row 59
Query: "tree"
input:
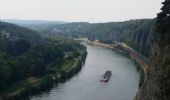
column 4, row 73
column 163, row 21
column 18, row 47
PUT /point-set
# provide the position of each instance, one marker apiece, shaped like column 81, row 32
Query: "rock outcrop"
column 157, row 83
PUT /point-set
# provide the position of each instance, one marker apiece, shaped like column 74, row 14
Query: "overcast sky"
column 79, row 10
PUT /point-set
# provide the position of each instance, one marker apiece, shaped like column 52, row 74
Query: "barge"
column 106, row 76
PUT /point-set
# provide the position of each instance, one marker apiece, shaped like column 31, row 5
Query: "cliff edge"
column 157, row 84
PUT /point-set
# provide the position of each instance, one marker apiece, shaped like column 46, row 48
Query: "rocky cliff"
column 156, row 78
column 157, row 83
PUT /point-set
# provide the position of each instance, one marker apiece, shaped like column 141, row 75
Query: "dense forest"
column 136, row 33
column 24, row 54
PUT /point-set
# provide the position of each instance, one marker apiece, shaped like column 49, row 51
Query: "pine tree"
column 163, row 21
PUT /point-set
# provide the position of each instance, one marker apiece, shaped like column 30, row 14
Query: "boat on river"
column 106, row 76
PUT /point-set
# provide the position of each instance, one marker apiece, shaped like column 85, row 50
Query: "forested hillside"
column 136, row 33
column 24, row 54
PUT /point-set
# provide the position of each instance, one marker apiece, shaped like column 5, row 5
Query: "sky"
column 79, row 10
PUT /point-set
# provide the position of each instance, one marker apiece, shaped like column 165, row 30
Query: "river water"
column 86, row 85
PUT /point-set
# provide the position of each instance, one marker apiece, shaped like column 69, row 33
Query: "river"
column 86, row 85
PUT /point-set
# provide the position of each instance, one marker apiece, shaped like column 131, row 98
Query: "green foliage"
column 24, row 54
column 163, row 23
column 18, row 47
column 14, row 32
column 163, row 18
column 4, row 73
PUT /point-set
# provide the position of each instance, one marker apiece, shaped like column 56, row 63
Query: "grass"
column 33, row 82
column 19, row 86
column 68, row 65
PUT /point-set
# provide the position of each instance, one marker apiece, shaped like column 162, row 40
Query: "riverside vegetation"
column 137, row 34
column 30, row 62
column 150, row 37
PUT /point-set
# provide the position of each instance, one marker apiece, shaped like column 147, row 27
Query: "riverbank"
column 86, row 84
column 33, row 85
column 141, row 62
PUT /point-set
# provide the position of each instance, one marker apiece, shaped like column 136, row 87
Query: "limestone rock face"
column 157, row 82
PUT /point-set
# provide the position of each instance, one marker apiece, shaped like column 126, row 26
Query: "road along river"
column 86, row 85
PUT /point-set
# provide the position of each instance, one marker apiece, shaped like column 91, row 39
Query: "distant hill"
column 30, row 22
column 136, row 33
column 14, row 32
